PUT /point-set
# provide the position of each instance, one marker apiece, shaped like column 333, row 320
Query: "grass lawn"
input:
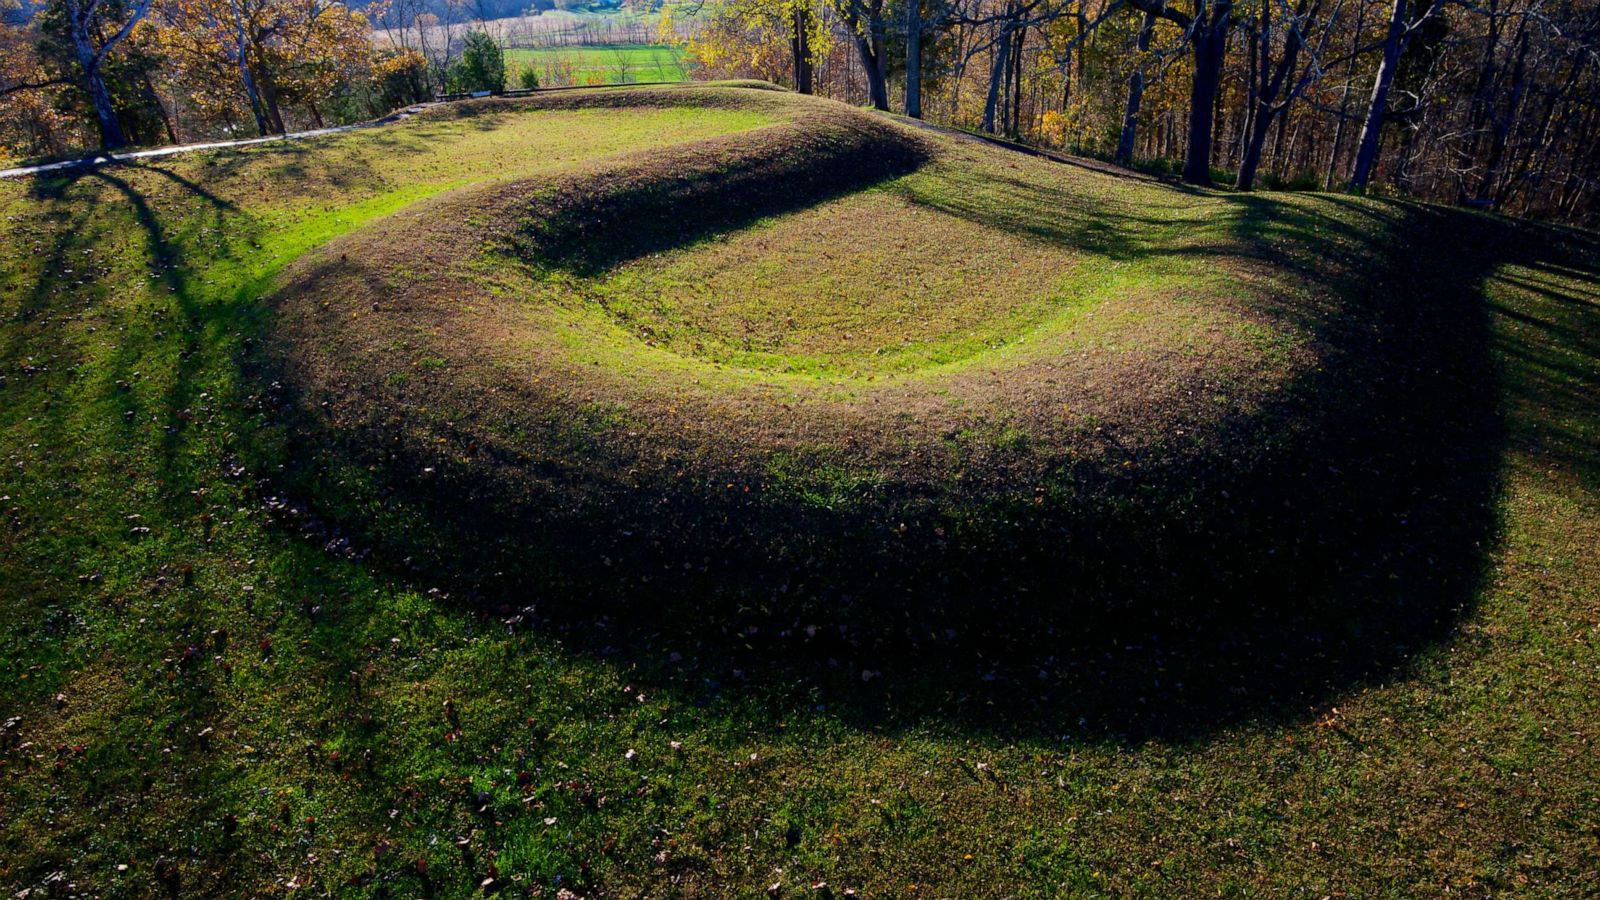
column 607, row 64
column 230, row 666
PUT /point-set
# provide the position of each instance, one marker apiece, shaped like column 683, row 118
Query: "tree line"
column 1493, row 103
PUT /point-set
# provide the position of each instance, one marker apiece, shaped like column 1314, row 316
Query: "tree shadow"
column 182, row 319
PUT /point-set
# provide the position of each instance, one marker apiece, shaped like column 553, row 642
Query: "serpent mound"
column 838, row 352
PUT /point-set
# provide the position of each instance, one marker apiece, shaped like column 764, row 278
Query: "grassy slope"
column 606, row 64
column 222, row 692
column 969, row 267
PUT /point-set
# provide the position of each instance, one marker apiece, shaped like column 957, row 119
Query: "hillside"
column 705, row 488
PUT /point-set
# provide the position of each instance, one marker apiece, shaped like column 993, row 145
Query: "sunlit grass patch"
column 599, row 64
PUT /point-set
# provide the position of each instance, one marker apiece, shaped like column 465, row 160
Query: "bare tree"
column 1130, row 117
column 1401, row 29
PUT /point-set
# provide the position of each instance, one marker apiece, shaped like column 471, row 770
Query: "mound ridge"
column 587, row 377
column 594, row 220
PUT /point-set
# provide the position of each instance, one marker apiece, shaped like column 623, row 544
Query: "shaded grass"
column 965, row 764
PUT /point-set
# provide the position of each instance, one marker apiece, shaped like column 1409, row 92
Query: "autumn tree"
column 400, row 78
column 781, row 40
column 30, row 123
column 272, row 51
column 1207, row 22
column 89, row 32
column 20, row 66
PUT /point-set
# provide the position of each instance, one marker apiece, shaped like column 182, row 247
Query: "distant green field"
column 601, row 64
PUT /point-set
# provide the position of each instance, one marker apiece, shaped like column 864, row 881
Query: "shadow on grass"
column 592, row 222
column 1301, row 551
column 109, row 408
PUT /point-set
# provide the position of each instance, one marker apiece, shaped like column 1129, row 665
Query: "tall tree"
column 1207, row 26
column 1001, row 63
column 774, row 39
column 1398, row 35
column 1270, row 96
column 94, row 30
column 1130, row 115
column 864, row 19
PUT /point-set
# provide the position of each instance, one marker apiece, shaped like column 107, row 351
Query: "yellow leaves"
column 303, row 50
column 401, row 61
column 751, row 38
column 666, row 25
column 1053, row 128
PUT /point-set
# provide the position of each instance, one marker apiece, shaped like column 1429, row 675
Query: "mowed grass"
column 600, row 64
column 935, row 289
column 965, row 268
column 206, row 691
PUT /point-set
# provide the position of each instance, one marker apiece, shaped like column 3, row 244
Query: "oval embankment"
column 834, row 350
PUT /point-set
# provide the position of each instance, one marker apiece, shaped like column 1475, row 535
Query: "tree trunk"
column 1130, row 118
column 877, row 87
column 1278, row 143
column 1219, row 112
column 105, row 114
column 166, row 117
column 254, row 96
column 1209, row 43
column 269, row 97
column 1367, row 147
column 801, row 48
column 1246, row 181
column 914, row 58
column 869, row 44
column 1258, row 46
column 1015, row 126
column 94, row 82
column 997, row 73
column 241, row 50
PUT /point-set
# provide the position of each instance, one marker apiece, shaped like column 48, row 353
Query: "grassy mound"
column 1337, row 463
column 817, row 350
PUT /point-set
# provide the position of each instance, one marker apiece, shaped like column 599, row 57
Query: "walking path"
column 101, row 159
